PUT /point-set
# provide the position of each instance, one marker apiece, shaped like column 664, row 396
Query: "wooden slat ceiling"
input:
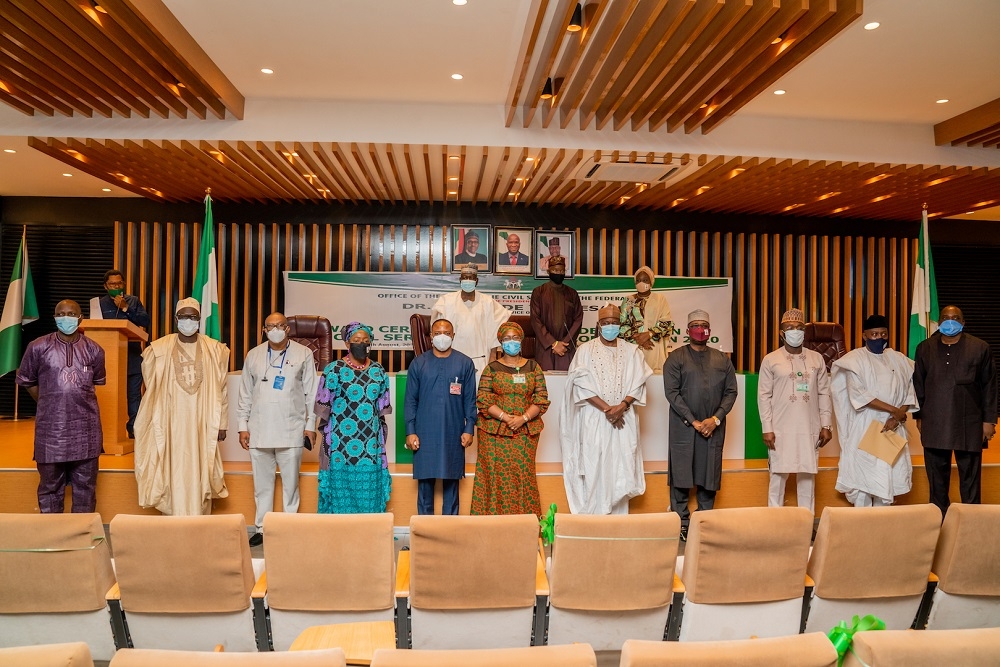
column 179, row 171
column 677, row 63
column 976, row 127
column 124, row 57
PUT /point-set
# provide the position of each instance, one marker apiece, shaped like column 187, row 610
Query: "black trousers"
column 937, row 462
column 425, row 496
column 679, row 499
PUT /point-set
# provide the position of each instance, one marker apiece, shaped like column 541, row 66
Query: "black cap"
column 876, row 322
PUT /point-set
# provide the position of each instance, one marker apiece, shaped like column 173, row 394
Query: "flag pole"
column 927, row 274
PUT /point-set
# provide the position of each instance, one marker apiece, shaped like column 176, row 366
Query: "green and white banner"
column 387, row 300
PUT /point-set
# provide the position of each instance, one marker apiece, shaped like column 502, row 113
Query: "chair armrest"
column 541, row 580
column 403, row 575
column 678, row 584
column 114, row 593
column 260, row 588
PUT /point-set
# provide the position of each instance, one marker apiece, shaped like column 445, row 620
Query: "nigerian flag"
column 924, row 313
column 19, row 308
column 206, row 278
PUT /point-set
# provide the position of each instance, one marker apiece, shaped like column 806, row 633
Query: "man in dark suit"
column 470, row 253
column 513, row 256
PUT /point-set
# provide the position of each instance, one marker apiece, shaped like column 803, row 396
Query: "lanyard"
column 280, row 367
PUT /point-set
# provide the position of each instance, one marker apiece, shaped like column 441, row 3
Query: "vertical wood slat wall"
column 832, row 278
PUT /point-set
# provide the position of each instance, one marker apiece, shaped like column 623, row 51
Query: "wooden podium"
column 112, row 399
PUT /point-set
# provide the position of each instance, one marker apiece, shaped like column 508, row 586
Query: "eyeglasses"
column 506, row 339
column 272, row 327
column 193, row 318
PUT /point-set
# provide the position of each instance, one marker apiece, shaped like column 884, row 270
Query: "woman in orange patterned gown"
column 512, row 398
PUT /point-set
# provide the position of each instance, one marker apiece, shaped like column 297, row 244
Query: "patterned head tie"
column 353, row 328
column 510, row 327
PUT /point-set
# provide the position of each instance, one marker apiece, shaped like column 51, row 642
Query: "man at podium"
column 116, row 305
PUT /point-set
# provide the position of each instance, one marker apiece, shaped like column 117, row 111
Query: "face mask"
column 359, row 350
column 795, row 337
column 468, row 286
column 643, row 287
column 699, row 334
column 441, row 342
column 274, row 335
column 876, row 345
column 512, row 347
column 610, row 331
column 557, row 278
column 188, row 327
column 115, row 292
column 67, row 325
column 951, row 327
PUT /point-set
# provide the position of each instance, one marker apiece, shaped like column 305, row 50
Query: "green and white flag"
column 924, row 313
column 206, row 278
column 19, row 308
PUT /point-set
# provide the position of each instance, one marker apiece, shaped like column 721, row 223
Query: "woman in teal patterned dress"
column 351, row 403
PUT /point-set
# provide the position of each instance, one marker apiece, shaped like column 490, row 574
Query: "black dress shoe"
column 257, row 539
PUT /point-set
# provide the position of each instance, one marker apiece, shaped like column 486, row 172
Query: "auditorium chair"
column 611, row 578
column 470, row 582
column 828, row 339
column 184, row 581
column 575, row 655
column 967, row 564
column 925, row 648
column 871, row 560
column 55, row 571
column 322, row 569
column 137, row 657
column 420, row 334
column 75, row 654
column 811, row 650
column 315, row 333
column 744, row 573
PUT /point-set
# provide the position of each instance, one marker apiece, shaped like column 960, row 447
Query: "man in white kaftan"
column 872, row 383
column 182, row 418
column 602, row 462
column 475, row 316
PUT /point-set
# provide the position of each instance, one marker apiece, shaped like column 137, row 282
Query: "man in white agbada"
column 793, row 396
column 602, row 462
column 476, row 318
column 872, row 383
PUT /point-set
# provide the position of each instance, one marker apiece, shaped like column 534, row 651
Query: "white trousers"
column 862, row 499
column 264, row 463
column 805, row 489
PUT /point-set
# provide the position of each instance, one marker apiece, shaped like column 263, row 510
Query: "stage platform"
column 744, row 484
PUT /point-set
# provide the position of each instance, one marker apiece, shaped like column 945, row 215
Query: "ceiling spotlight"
column 529, row 159
column 779, row 39
column 943, row 101
column 97, row 7
column 266, row 70
column 67, row 174
column 872, row 25
column 576, row 23
column 459, row 2
column 779, row 91
column 547, row 90
column 9, row 150
column 105, row 189
column 456, row 77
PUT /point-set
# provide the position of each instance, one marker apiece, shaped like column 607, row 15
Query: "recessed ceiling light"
column 529, row 159
column 452, row 157
column 456, row 77
column 105, row 189
column 9, row 150
column 452, row 192
column 872, row 25
column 459, row 2
column 943, row 101
column 453, row 178
column 67, row 174
column 779, row 91
column 266, row 70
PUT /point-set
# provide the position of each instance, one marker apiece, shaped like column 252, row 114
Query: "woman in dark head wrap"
column 351, row 403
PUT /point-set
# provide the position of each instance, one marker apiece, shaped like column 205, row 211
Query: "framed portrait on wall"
column 471, row 245
column 549, row 244
column 512, row 247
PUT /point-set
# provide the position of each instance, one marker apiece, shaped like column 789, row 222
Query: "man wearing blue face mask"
column 872, row 383
column 475, row 316
column 956, row 387
column 60, row 372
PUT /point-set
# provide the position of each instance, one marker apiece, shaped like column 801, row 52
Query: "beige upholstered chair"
column 925, row 648
column 185, row 581
column 76, row 654
column 323, row 569
column 332, row 657
column 55, row 571
column 871, row 560
column 967, row 563
column 611, row 578
column 575, row 655
column 470, row 580
column 811, row 650
column 744, row 573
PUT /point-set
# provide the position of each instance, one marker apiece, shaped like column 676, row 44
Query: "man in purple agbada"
column 60, row 371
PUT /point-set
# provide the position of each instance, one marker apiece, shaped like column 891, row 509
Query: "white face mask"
column 276, row 335
column 795, row 337
column 441, row 342
column 468, row 286
column 643, row 287
column 188, row 327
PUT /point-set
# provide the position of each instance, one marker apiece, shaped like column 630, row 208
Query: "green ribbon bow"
column 548, row 524
column 842, row 636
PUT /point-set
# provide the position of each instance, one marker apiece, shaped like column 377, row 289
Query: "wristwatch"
column 718, row 422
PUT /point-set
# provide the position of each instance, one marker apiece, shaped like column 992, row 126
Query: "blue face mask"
column 512, row 347
column 610, row 331
column 67, row 325
column 950, row 327
column 468, row 286
column 876, row 345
